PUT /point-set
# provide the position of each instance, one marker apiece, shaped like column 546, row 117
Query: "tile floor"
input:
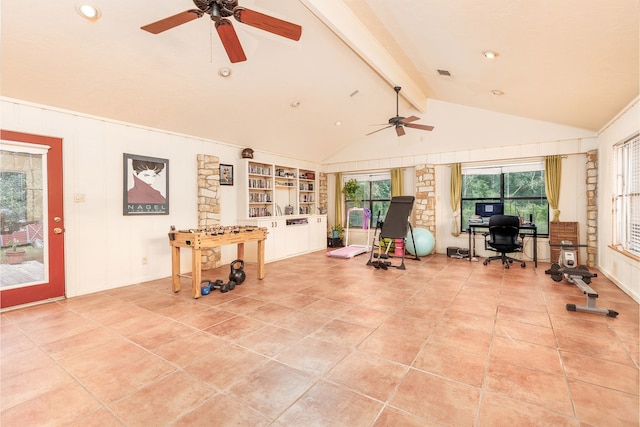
column 328, row 342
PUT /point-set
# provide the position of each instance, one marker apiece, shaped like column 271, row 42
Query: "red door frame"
column 56, row 286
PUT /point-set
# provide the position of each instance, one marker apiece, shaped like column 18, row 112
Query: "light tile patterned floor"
column 328, row 342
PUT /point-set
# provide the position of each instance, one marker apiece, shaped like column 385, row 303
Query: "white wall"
column 104, row 248
column 623, row 270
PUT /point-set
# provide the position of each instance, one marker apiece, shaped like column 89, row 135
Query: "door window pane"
column 22, row 225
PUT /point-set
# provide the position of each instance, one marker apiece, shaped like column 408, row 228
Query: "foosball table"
column 199, row 239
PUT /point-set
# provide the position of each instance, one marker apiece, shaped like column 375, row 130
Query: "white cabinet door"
column 285, row 241
column 297, row 239
column 276, row 239
column 274, row 245
column 317, row 232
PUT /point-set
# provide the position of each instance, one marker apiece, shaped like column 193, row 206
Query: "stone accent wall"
column 323, row 192
column 209, row 204
column 592, row 207
column 425, row 207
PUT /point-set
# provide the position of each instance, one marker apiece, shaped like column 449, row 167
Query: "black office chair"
column 503, row 237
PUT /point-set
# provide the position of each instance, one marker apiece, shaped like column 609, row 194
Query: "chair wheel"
column 506, row 265
column 485, row 262
column 523, row 265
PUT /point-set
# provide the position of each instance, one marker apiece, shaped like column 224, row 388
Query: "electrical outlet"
column 144, row 259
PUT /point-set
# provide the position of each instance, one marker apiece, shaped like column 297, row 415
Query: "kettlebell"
column 205, row 287
column 237, row 275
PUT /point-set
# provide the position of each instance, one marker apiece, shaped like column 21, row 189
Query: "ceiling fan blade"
column 410, row 119
column 386, row 127
column 172, row 21
column 230, row 41
column 417, row 126
column 400, row 130
column 268, row 23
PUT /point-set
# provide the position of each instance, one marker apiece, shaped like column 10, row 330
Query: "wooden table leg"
column 196, row 272
column 240, row 250
column 175, row 268
column 260, row 259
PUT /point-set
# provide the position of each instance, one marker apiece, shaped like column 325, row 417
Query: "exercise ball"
column 424, row 242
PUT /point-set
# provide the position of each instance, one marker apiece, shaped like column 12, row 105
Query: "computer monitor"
column 485, row 210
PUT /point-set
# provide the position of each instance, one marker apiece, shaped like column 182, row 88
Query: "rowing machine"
column 580, row 276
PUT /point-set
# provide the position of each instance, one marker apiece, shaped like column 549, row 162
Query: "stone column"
column 209, row 204
column 323, row 192
column 425, row 207
column 592, row 207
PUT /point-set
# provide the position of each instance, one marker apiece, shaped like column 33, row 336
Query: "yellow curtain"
column 338, row 200
column 552, row 178
column 397, row 182
column 455, row 193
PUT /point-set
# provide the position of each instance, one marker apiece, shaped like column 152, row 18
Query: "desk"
column 530, row 229
column 198, row 240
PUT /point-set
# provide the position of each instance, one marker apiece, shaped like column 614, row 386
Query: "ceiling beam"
column 342, row 21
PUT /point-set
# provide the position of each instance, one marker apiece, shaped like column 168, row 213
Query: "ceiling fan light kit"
column 219, row 11
column 400, row 122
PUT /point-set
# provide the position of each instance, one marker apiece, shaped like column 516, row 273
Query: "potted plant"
column 15, row 255
column 353, row 191
column 337, row 231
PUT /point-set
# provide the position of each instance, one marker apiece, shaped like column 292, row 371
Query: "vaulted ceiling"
column 571, row 62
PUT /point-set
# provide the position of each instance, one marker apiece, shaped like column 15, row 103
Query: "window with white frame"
column 626, row 196
column 519, row 186
column 376, row 192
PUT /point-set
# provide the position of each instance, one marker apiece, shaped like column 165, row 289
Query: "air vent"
column 444, row 73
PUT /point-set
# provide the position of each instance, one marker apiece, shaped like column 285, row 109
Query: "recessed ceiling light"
column 295, row 104
column 89, row 12
column 490, row 54
column 224, row 72
column 497, row 92
column 338, row 123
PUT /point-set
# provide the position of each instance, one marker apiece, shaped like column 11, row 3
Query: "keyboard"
column 478, row 221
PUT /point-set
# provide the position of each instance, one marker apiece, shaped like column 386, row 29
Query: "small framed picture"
column 146, row 185
column 226, row 174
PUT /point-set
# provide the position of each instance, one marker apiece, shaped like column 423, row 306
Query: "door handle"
column 57, row 230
